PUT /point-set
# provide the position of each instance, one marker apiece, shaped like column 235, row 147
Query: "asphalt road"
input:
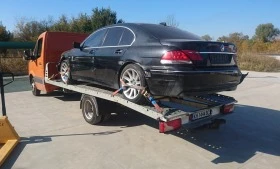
column 55, row 135
column 20, row 84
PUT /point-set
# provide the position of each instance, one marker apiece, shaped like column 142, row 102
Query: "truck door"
column 36, row 65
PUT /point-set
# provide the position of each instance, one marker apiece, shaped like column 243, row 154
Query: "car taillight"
column 170, row 125
column 180, row 57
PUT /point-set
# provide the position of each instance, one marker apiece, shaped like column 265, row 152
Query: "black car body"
column 169, row 61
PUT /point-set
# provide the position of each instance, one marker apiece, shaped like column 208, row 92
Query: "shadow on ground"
column 24, row 141
column 248, row 130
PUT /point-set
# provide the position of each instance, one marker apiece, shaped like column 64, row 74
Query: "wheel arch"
column 128, row 63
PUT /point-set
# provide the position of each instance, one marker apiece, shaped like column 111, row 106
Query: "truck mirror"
column 77, row 45
column 26, row 55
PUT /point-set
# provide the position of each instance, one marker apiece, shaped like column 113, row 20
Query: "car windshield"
column 168, row 32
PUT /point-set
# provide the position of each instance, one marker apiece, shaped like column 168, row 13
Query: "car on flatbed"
column 167, row 60
column 98, row 103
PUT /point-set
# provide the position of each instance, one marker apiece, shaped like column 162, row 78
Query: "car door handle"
column 91, row 51
column 118, row 51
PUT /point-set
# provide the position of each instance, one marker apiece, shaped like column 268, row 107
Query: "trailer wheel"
column 35, row 91
column 90, row 110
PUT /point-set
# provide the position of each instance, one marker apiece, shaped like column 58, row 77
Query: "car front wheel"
column 65, row 72
column 133, row 75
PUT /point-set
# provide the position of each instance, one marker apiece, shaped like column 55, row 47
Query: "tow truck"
column 170, row 113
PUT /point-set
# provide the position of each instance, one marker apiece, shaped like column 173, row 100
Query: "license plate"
column 201, row 114
column 220, row 59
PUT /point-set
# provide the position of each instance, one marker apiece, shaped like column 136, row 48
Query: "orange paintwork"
column 53, row 45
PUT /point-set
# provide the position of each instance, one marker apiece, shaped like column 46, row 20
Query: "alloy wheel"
column 131, row 77
column 63, row 67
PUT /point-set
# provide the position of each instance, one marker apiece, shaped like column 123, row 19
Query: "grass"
column 259, row 63
column 13, row 64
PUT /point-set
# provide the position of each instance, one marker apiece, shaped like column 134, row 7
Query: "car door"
column 107, row 57
column 83, row 62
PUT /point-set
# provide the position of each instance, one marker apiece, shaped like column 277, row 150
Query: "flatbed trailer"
column 189, row 112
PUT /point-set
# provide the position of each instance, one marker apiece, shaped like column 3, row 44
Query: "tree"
column 81, row 24
column 30, row 30
column 171, row 21
column 223, row 39
column 5, row 35
column 102, row 17
column 206, row 37
column 266, row 32
column 61, row 25
column 236, row 37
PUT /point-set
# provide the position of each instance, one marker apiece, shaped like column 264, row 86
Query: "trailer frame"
column 189, row 112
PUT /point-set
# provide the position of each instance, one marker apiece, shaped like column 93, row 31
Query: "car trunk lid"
column 212, row 53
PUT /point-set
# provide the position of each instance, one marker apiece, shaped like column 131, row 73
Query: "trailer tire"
column 35, row 91
column 90, row 110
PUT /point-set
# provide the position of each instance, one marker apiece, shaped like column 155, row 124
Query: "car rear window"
column 168, row 32
column 127, row 37
column 113, row 36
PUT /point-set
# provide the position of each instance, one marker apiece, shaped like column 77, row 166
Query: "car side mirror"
column 77, row 45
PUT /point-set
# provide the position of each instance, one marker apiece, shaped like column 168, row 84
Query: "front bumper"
column 187, row 83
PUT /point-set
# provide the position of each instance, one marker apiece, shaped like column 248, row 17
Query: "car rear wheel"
column 65, row 72
column 35, row 91
column 133, row 75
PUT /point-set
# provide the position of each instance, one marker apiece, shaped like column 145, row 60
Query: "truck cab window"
column 38, row 48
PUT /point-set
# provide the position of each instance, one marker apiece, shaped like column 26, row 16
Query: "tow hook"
column 215, row 124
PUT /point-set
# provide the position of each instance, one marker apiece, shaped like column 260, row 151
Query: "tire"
column 90, row 110
column 133, row 75
column 35, row 91
column 64, row 67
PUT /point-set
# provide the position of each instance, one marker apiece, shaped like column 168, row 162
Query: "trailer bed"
column 192, row 111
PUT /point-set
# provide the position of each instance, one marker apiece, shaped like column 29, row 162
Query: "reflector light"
column 170, row 125
column 228, row 108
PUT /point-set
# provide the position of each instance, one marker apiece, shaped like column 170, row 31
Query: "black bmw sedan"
column 167, row 60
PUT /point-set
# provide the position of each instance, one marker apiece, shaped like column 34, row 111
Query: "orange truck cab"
column 49, row 47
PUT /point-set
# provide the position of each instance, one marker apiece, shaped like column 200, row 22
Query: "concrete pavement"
column 55, row 135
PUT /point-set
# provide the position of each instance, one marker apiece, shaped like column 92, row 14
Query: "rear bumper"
column 187, row 83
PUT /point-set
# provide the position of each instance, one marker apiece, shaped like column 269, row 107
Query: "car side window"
column 95, row 39
column 113, row 36
column 127, row 37
column 38, row 48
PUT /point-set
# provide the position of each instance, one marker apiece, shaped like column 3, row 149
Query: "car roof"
column 160, row 31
